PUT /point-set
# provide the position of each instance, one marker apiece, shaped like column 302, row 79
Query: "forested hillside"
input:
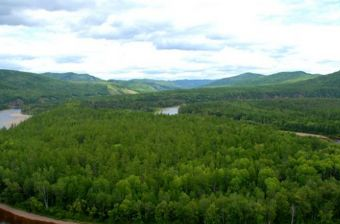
column 70, row 76
column 31, row 91
column 133, row 167
column 34, row 90
column 326, row 86
column 239, row 80
column 251, row 79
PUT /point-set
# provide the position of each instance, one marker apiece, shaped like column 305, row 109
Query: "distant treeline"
column 321, row 87
column 312, row 115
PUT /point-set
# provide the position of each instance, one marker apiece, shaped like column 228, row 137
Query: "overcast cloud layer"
column 170, row 39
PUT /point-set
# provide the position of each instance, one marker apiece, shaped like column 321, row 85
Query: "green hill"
column 70, row 76
column 18, row 89
column 251, row 79
column 240, row 80
column 325, row 86
column 330, row 81
column 107, row 166
column 286, row 77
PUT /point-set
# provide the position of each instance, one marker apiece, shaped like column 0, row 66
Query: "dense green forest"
column 300, row 114
column 134, row 167
column 106, row 157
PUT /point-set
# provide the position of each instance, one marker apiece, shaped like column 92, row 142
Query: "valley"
column 229, row 155
column 169, row 112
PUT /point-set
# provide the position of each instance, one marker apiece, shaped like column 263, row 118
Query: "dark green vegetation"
column 70, row 76
column 135, row 167
column 251, row 79
column 318, row 116
column 224, row 160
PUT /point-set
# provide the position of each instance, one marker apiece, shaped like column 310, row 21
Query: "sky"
column 170, row 39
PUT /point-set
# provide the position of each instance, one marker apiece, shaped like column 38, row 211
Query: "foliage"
column 134, row 167
column 319, row 116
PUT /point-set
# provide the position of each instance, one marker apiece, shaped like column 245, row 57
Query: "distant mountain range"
column 152, row 85
column 21, row 87
column 246, row 79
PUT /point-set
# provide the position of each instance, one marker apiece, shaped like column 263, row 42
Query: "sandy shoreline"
column 5, row 209
column 302, row 134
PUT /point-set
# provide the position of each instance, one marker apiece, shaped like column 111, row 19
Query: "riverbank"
column 303, row 134
column 15, row 215
column 323, row 137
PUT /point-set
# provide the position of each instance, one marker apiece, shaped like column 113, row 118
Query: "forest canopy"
column 134, row 167
column 300, row 114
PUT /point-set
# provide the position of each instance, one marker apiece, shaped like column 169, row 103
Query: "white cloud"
column 171, row 39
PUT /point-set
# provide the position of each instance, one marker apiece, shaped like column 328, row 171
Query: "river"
column 169, row 110
column 11, row 117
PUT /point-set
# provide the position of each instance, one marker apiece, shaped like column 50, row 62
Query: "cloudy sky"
column 170, row 39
